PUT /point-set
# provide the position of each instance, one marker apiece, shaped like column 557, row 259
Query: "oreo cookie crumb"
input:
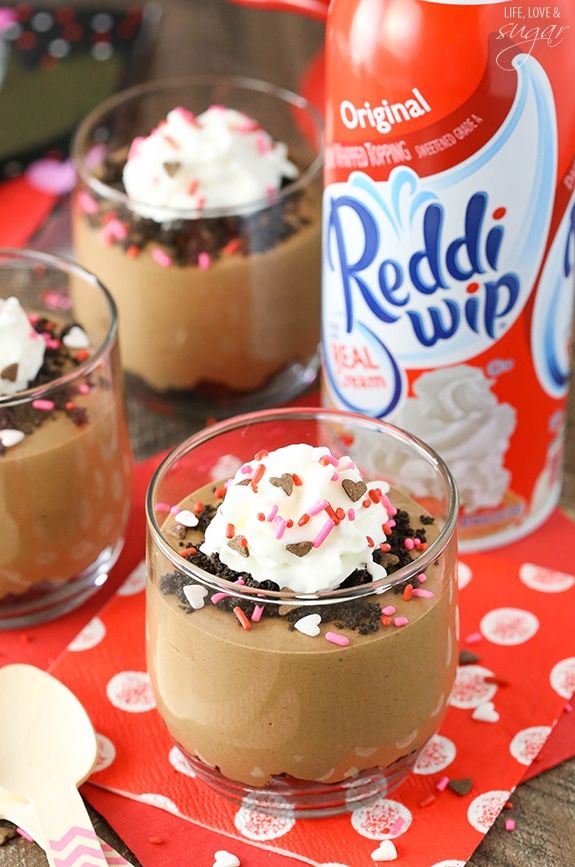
column 357, row 615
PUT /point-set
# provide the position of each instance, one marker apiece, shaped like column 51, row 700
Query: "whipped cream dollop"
column 218, row 159
column 457, row 414
column 21, row 348
column 300, row 517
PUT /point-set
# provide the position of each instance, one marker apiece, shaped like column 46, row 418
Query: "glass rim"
column 79, row 146
column 60, row 263
column 417, row 566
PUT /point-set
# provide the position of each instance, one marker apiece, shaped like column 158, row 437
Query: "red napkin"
column 23, row 208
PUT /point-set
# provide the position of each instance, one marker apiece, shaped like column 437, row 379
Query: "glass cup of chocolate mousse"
column 301, row 609
column 198, row 203
column 64, row 452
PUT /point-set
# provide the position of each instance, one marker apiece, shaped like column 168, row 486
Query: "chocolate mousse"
column 211, row 247
column 64, row 458
column 282, row 684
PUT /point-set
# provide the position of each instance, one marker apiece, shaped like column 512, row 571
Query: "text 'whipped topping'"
column 221, row 158
column 21, row 348
column 302, row 518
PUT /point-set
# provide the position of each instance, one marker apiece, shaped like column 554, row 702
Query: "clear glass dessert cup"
column 219, row 308
column 316, row 722
column 65, row 464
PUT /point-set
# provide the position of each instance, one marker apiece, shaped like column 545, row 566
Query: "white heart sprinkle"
column 308, row 625
column 186, row 518
column 385, row 852
column 10, row 437
column 225, row 859
column 195, row 594
column 485, row 712
column 76, row 338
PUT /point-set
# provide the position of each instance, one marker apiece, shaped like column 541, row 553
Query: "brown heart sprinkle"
column 172, row 169
column 461, row 787
column 10, row 372
column 244, row 482
column 354, row 490
column 285, row 482
column 466, row 657
column 300, row 549
column 239, row 544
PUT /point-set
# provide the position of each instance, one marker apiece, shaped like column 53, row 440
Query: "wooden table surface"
column 212, row 36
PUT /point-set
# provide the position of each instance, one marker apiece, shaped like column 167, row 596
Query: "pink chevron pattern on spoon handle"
column 75, row 846
column 113, row 858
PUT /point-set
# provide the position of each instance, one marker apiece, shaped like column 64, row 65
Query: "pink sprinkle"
column 351, row 514
column 392, row 512
column 510, row 824
column 422, row 578
column 52, row 344
column 217, row 597
column 349, row 466
column 273, row 512
column 245, row 469
column 408, row 543
column 442, row 784
column 43, row 405
column 117, row 229
column 24, row 834
column 240, row 581
column 401, row 621
column 397, row 826
column 135, row 146
column 336, row 638
column 391, row 523
column 163, row 507
column 389, row 610
column 84, row 388
column 323, row 533
column 161, row 257
column 423, row 594
column 473, row 638
column 87, row 203
column 280, row 527
column 317, row 507
column 257, row 613
column 204, row 261
column 262, row 145
column 335, row 477
column 568, row 707
column 187, row 115
column 33, row 317
column 174, row 510
column 329, row 459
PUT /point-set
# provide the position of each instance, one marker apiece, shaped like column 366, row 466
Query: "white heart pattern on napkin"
column 186, row 518
column 386, row 851
column 308, row 625
column 225, row 859
column 196, row 594
column 485, row 712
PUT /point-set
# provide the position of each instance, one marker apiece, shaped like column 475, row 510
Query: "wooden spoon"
column 47, row 749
